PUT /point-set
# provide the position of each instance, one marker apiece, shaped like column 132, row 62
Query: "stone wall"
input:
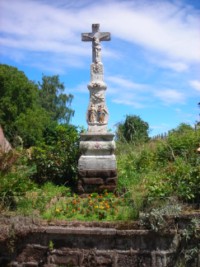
column 37, row 243
column 4, row 144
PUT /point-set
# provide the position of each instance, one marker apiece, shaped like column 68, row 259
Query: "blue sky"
column 151, row 64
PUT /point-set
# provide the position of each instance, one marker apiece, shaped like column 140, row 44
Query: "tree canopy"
column 28, row 108
column 133, row 129
column 53, row 99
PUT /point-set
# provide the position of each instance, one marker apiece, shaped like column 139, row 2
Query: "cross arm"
column 86, row 37
column 105, row 36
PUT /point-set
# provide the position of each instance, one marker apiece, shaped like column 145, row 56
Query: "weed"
column 51, row 245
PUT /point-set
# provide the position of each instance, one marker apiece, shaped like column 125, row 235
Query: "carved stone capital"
column 97, row 85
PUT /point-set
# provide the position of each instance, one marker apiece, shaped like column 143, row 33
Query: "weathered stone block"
column 32, row 254
column 64, row 257
column 111, row 181
column 100, row 173
column 82, row 173
column 95, row 181
column 113, row 173
column 92, row 173
column 97, row 162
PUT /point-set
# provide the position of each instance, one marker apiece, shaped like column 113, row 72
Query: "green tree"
column 54, row 100
column 31, row 125
column 20, row 111
column 28, row 109
column 134, row 130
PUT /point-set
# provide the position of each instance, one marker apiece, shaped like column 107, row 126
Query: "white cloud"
column 177, row 66
column 126, row 100
column 170, row 96
column 127, row 92
column 164, row 28
column 81, row 88
column 195, row 84
column 124, row 83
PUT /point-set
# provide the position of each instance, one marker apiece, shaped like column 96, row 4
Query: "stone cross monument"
column 97, row 164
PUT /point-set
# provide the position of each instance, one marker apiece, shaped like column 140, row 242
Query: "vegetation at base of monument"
column 95, row 207
column 56, row 158
column 151, row 177
column 58, row 202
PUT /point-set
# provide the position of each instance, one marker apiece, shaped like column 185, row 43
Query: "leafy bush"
column 14, row 181
column 56, row 160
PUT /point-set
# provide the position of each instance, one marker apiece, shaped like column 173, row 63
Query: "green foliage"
column 38, row 200
column 27, row 109
column 17, row 95
column 163, row 168
column 31, row 125
column 56, row 159
column 190, row 244
column 95, row 207
column 57, row 202
column 15, row 180
column 7, row 160
column 54, row 101
column 134, row 130
column 51, row 245
column 156, row 218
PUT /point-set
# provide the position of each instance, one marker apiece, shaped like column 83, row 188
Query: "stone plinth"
column 97, row 164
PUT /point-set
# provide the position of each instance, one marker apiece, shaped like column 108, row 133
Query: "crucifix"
column 96, row 37
column 97, row 169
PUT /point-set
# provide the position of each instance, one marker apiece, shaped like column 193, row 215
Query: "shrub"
column 14, row 181
column 56, row 160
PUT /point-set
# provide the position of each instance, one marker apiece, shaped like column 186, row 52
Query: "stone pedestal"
column 97, row 164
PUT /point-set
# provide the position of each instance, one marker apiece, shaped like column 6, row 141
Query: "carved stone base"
column 97, row 165
column 97, row 181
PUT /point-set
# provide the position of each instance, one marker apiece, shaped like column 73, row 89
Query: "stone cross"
column 96, row 37
column 97, row 169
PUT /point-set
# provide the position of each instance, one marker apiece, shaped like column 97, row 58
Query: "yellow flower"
column 57, row 210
